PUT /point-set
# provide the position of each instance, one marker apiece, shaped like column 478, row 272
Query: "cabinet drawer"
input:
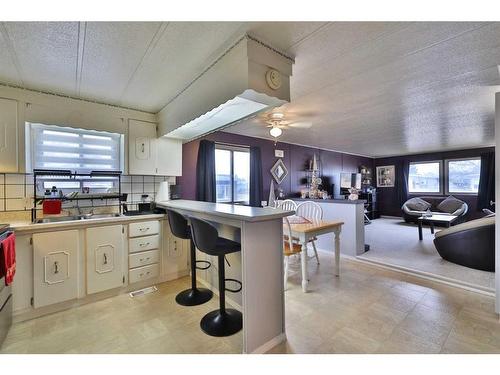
column 144, row 228
column 143, row 273
column 144, row 258
column 138, row 244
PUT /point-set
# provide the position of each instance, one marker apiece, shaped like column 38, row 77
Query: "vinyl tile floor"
column 365, row 310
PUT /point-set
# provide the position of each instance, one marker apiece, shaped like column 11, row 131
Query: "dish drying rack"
column 74, row 196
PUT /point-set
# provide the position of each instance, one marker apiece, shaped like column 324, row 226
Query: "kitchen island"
column 260, row 231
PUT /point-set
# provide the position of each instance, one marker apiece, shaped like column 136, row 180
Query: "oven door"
column 5, row 309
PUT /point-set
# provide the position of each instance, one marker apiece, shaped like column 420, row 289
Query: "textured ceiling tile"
column 8, row 71
column 46, row 52
column 112, row 53
column 184, row 50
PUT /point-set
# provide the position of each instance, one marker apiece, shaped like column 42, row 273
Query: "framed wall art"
column 386, row 176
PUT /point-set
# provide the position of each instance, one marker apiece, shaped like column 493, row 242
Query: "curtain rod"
column 231, row 144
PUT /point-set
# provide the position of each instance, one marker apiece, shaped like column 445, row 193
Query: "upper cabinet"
column 8, row 136
column 141, row 147
column 168, row 157
column 149, row 155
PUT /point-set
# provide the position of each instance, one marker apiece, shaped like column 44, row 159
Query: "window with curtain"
column 232, row 174
column 77, row 150
column 425, row 177
column 463, row 176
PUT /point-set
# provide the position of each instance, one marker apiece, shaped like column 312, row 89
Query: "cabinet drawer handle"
column 105, row 259
column 56, row 267
column 144, row 229
column 142, row 259
column 144, row 244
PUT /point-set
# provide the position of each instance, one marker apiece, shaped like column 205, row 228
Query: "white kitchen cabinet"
column 168, row 157
column 105, row 258
column 141, row 145
column 175, row 259
column 143, row 243
column 144, row 273
column 9, row 158
column 55, row 267
column 144, row 228
column 149, row 155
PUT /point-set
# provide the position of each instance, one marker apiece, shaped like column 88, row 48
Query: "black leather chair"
column 223, row 321
column 193, row 296
column 470, row 244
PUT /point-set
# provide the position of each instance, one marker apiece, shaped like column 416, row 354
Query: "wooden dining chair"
column 290, row 247
column 312, row 211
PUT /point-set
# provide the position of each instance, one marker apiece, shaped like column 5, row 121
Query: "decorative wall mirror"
column 279, row 171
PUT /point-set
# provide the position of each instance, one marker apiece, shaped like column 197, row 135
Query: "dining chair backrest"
column 287, row 233
column 310, row 210
column 287, row 204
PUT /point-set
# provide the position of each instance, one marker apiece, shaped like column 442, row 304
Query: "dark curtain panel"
column 256, row 185
column 205, row 172
column 401, row 183
column 486, row 192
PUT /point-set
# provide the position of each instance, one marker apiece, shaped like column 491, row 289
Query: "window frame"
column 232, row 149
column 441, row 178
column 447, row 175
column 82, row 180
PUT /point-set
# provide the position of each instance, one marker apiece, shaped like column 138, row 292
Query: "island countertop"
column 228, row 211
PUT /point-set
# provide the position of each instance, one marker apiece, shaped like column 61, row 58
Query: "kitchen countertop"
column 32, row 227
column 228, row 211
column 341, row 201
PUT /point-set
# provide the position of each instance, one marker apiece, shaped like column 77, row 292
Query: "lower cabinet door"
column 105, row 253
column 55, row 267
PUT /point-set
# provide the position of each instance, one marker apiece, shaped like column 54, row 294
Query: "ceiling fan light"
column 275, row 132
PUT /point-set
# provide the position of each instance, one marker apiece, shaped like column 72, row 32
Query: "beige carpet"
column 394, row 242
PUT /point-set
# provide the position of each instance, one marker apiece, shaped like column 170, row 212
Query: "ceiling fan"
column 276, row 122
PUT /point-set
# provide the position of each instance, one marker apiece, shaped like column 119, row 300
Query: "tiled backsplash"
column 16, row 191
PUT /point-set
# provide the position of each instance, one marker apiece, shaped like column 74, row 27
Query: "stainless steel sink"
column 57, row 219
column 99, row 216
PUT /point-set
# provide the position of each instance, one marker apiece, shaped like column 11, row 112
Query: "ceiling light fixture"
column 275, row 131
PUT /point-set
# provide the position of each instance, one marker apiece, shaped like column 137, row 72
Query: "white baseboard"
column 270, row 344
column 428, row 276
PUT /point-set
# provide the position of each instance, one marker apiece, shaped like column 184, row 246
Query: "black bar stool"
column 221, row 322
column 194, row 296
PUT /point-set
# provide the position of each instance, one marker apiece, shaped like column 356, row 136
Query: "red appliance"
column 51, row 206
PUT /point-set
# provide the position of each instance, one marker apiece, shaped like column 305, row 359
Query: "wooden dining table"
column 304, row 232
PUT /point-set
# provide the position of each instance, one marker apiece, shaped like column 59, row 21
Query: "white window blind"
column 78, row 150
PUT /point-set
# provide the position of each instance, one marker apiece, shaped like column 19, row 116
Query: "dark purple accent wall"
column 295, row 159
column 386, row 196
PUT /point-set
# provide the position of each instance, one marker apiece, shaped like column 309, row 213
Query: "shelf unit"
column 37, row 173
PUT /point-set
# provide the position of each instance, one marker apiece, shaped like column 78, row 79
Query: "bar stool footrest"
column 209, row 264
column 233, row 290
